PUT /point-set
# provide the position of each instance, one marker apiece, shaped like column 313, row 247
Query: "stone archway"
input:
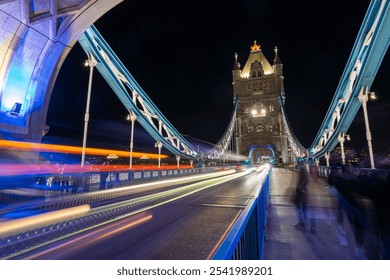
column 271, row 155
column 35, row 38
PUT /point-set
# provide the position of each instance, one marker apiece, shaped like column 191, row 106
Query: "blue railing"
column 324, row 171
column 245, row 241
column 26, row 187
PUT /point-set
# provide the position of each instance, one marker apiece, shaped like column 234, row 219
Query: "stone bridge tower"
column 260, row 92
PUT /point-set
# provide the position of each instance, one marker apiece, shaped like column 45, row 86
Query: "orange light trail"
column 91, row 238
column 40, row 147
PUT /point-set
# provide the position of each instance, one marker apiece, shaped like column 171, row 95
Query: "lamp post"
column 327, row 157
column 342, row 136
column 178, row 160
column 363, row 98
column 159, row 145
column 91, row 63
column 131, row 117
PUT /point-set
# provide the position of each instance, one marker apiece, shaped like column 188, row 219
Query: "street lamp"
column 159, row 146
column 131, row 117
column 91, row 63
column 363, row 98
column 327, row 157
column 342, row 137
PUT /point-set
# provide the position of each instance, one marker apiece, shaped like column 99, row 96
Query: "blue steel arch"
column 267, row 146
column 133, row 96
column 135, row 100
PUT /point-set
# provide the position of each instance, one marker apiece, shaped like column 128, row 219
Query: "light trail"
column 94, row 237
column 40, row 220
column 41, row 147
column 143, row 204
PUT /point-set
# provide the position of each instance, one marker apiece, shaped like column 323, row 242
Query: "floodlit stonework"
column 259, row 89
column 35, row 38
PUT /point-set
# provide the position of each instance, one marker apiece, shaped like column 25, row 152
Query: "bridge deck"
column 285, row 242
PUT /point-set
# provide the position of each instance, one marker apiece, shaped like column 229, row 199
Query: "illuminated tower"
column 260, row 92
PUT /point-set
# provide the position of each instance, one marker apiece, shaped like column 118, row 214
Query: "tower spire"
column 255, row 47
column 277, row 59
column 236, row 65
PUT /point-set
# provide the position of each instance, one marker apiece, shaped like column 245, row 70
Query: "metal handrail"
column 251, row 222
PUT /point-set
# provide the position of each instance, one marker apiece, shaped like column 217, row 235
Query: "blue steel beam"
column 135, row 100
column 367, row 54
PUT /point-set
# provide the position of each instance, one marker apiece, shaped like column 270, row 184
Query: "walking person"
column 301, row 200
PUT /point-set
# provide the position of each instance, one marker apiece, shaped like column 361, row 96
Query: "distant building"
column 259, row 88
column 350, row 156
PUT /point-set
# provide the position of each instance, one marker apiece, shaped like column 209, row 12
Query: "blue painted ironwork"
column 367, row 54
column 245, row 240
column 135, row 100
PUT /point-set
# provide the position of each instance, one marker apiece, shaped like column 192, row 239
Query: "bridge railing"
column 324, row 171
column 26, row 187
column 245, row 241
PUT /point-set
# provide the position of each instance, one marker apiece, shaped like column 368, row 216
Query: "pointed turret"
column 236, row 65
column 278, row 66
column 277, row 59
column 236, row 69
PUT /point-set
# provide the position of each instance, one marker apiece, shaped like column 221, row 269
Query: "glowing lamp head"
column 254, row 112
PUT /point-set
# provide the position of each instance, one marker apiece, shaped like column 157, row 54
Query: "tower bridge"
column 36, row 36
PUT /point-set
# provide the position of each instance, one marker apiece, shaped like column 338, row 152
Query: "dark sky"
column 182, row 53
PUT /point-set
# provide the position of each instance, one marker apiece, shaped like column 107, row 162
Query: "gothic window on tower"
column 254, row 74
column 259, row 73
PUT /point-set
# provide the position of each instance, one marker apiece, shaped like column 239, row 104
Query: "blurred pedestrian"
column 335, row 180
column 300, row 197
column 314, row 172
column 349, row 193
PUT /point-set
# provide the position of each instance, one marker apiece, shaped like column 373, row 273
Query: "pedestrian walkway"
column 286, row 242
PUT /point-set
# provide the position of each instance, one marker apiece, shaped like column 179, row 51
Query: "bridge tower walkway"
column 285, row 241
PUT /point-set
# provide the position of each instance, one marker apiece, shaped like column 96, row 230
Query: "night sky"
column 182, row 54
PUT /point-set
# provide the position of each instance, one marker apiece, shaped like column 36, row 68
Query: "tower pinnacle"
column 255, row 47
column 277, row 59
column 236, row 65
